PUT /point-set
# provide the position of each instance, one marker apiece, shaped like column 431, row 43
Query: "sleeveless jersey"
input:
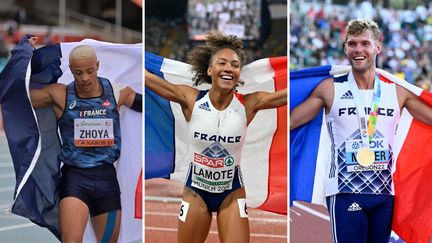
column 90, row 128
column 216, row 139
column 346, row 175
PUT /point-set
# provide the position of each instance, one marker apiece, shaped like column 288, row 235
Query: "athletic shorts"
column 215, row 200
column 360, row 218
column 97, row 187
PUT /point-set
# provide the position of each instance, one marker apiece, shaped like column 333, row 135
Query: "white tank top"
column 216, row 139
column 345, row 174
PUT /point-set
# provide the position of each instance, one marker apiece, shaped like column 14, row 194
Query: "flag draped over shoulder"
column 264, row 161
column 32, row 135
column 412, row 218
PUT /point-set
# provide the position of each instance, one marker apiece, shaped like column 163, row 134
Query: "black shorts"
column 97, row 187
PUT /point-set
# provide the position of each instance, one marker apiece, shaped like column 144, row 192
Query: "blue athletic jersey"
column 90, row 128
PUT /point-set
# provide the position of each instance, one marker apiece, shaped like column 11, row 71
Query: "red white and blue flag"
column 264, row 157
column 32, row 134
column 309, row 151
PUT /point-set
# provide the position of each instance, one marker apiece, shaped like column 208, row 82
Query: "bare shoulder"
column 188, row 91
column 325, row 86
column 57, row 87
column 58, row 93
column 325, row 91
column 403, row 95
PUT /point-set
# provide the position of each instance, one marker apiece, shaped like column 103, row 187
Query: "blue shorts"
column 360, row 218
column 215, row 200
column 97, row 187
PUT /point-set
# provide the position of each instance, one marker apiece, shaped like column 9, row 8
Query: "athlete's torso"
column 90, row 128
column 346, row 175
column 215, row 142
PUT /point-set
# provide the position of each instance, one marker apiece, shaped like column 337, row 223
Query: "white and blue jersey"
column 216, row 139
column 90, row 128
column 346, row 175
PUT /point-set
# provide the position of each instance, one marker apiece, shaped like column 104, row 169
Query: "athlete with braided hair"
column 217, row 120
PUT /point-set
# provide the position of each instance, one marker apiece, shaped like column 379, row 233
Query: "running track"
column 162, row 201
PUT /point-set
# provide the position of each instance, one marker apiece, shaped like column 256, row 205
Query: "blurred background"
column 55, row 21
column 173, row 27
column 317, row 34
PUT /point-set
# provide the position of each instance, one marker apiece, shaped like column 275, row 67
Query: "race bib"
column 93, row 132
column 380, row 149
column 212, row 174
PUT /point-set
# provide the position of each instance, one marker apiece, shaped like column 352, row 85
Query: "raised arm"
column 52, row 95
column 261, row 100
column 181, row 94
column 416, row 107
column 321, row 97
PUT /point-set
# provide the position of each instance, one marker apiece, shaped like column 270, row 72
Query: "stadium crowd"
column 317, row 33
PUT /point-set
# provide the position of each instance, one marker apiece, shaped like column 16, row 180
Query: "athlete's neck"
column 365, row 79
column 96, row 92
column 220, row 100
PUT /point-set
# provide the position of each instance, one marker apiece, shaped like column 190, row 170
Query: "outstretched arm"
column 416, row 107
column 321, row 96
column 182, row 94
column 52, row 95
column 261, row 100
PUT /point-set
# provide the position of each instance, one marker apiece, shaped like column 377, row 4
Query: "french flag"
column 264, row 157
column 32, row 134
column 309, row 151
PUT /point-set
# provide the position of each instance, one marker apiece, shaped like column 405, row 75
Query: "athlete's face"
column 362, row 50
column 224, row 69
column 84, row 71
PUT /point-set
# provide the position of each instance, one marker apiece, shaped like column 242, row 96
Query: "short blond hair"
column 82, row 51
column 358, row 26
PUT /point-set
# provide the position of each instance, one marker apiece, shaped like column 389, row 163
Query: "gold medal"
column 365, row 156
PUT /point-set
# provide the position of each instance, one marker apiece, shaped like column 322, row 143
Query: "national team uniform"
column 216, row 139
column 90, row 132
column 360, row 198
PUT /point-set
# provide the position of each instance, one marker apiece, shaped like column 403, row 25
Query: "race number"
column 184, row 207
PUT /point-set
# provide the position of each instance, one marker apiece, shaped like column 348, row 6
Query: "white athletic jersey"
column 216, row 139
column 345, row 174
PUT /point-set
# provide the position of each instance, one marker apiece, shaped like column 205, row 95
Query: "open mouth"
column 226, row 77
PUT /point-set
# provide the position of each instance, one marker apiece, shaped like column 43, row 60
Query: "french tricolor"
column 309, row 150
column 264, row 157
column 32, row 134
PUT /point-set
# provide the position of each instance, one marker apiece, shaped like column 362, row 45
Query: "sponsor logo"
column 210, row 162
column 204, row 106
column 355, row 145
column 354, row 207
column 72, row 105
column 353, row 111
column 229, row 161
column 347, row 95
column 106, row 103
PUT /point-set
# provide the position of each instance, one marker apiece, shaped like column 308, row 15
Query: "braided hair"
column 200, row 57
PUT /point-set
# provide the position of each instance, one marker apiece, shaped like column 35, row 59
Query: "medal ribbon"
column 367, row 129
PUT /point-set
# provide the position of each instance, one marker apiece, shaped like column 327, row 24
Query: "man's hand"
column 33, row 41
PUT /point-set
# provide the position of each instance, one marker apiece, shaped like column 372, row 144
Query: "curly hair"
column 200, row 57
